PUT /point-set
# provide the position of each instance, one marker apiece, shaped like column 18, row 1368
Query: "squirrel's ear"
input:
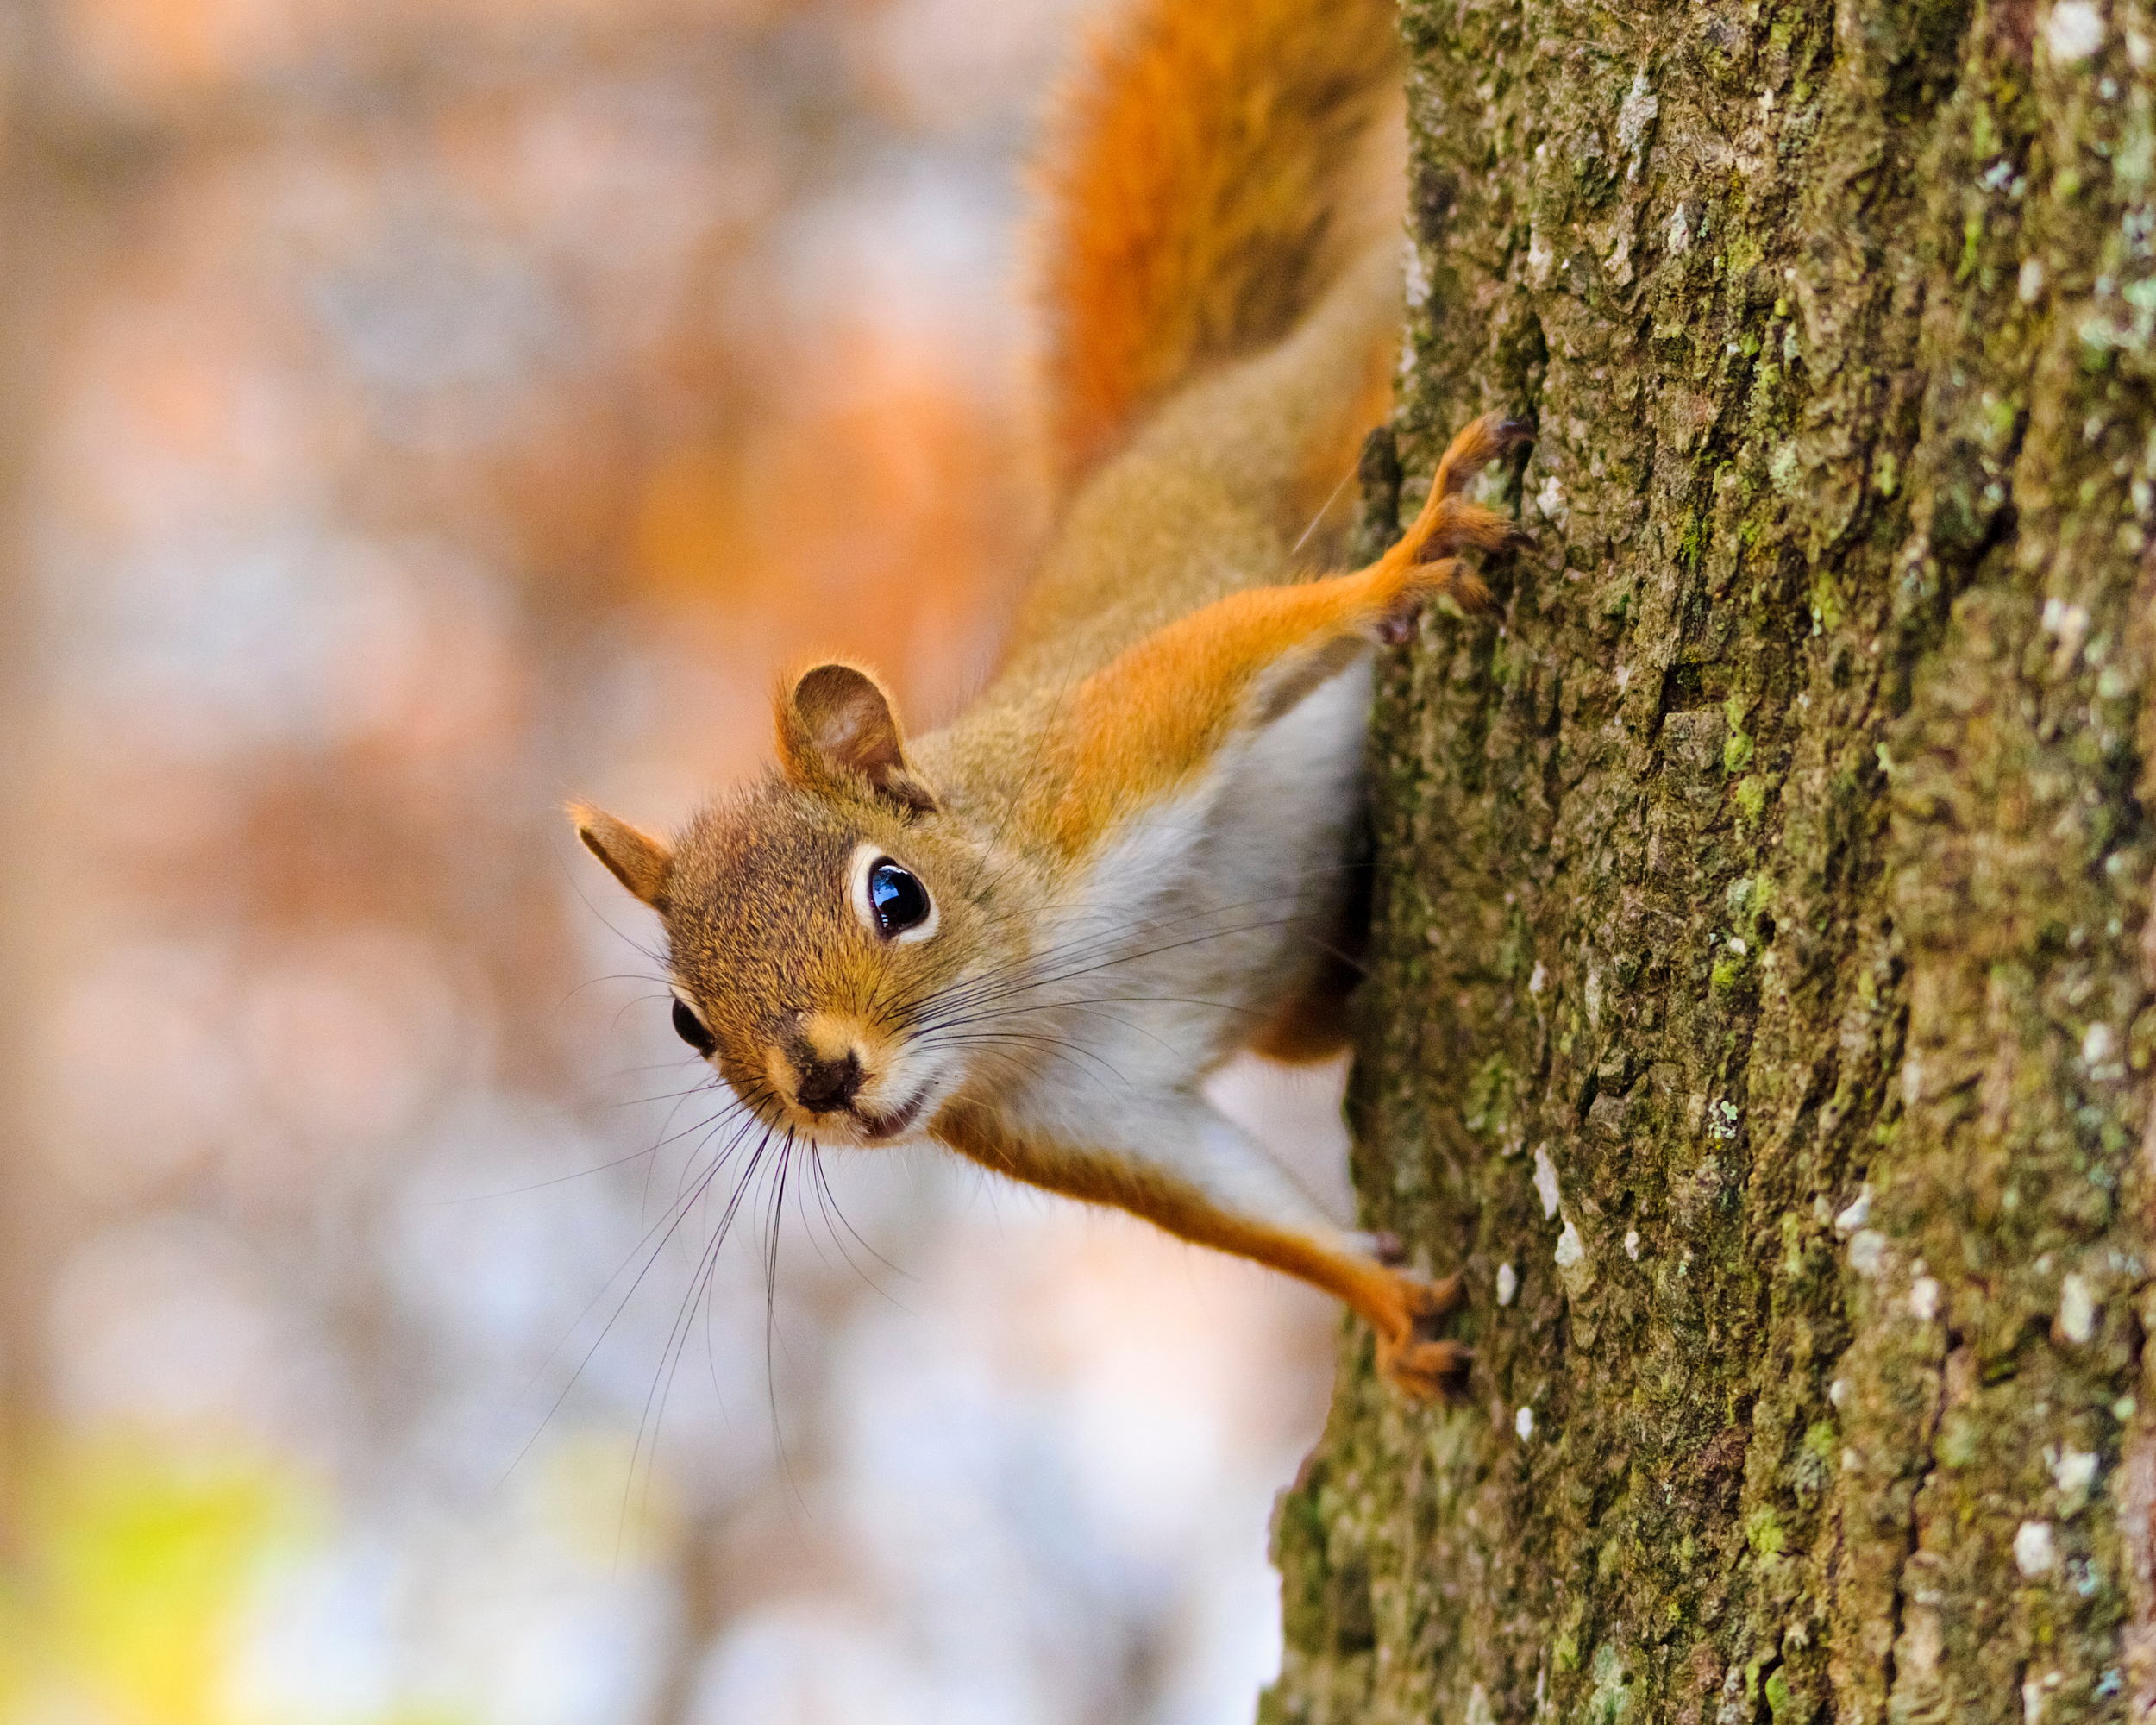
column 639, row 861
column 836, row 722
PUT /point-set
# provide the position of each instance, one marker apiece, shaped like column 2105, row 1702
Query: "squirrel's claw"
column 1427, row 1371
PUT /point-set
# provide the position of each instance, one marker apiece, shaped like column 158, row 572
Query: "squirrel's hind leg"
column 1312, row 1023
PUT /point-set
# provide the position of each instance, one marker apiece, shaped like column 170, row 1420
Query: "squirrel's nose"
column 828, row 1084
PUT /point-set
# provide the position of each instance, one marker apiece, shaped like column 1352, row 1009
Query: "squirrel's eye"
column 895, row 898
column 692, row 1029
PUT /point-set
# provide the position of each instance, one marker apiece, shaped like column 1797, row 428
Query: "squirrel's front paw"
column 1428, row 1371
column 1447, row 576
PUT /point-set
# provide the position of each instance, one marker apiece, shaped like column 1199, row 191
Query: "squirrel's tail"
column 1209, row 185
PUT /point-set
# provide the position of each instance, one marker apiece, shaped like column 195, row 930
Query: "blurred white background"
column 415, row 414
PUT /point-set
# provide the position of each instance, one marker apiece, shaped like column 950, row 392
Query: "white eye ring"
column 690, row 1026
column 865, row 858
column 695, row 1011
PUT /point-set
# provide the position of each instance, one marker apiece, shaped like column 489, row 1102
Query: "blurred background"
column 413, row 412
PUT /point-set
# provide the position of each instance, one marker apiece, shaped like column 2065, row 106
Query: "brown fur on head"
column 813, row 1009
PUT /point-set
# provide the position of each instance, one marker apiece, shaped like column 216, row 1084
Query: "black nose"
column 828, row 1084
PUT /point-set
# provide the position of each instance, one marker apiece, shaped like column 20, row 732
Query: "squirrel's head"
column 812, row 921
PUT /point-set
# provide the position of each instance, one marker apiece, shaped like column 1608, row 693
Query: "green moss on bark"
column 1761, row 1017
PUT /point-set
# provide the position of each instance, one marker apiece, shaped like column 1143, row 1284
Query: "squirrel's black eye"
column 691, row 1029
column 899, row 901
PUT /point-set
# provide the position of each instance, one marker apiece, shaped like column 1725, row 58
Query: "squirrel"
column 1031, row 935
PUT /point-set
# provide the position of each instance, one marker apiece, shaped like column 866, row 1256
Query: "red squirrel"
column 1029, row 935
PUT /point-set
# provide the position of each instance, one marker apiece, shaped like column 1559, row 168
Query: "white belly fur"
column 1176, row 948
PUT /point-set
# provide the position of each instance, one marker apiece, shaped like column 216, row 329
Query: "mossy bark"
column 1761, row 1016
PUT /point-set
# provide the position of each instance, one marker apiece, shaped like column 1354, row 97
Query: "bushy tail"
column 1198, row 201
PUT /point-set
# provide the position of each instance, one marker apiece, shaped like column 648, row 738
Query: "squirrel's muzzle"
column 838, row 1072
column 822, row 1085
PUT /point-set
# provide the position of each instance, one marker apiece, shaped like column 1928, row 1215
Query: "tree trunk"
column 1760, row 1014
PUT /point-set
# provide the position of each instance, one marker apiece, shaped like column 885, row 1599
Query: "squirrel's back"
column 1218, row 278
column 1216, row 164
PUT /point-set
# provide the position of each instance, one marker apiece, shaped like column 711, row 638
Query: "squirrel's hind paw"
column 1414, row 1359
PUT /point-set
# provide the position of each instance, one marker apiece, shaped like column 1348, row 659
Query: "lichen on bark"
column 1759, row 1012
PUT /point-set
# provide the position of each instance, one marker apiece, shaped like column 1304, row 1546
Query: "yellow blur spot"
column 127, row 1604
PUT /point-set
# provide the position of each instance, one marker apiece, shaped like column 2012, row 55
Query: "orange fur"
column 1324, row 492
column 1141, row 726
column 1192, row 216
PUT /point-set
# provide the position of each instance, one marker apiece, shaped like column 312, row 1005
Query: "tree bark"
column 1760, row 1012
